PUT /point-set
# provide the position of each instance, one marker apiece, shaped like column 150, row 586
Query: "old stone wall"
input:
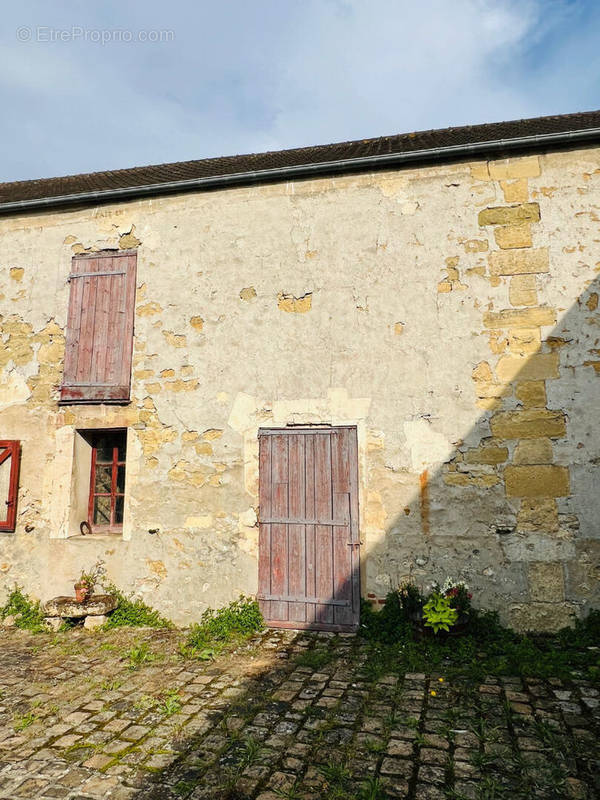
column 449, row 312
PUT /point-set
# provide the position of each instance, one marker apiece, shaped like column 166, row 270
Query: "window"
column 107, row 481
column 10, row 453
column 99, row 337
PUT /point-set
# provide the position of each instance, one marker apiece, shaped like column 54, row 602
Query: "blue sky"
column 239, row 76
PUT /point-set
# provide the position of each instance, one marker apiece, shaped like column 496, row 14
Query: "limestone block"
column 542, row 617
column 53, row 623
column 510, row 215
column 515, row 191
column 98, row 604
column 536, row 367
column 531, row 394
column 523, row 318
column 519, row 261
column 528, row 423
column 537, row 481
column 486, row 454
column 546, row 582
column 522, row 290
column 94, row 622
column 511, row 236
column 506, row 168
column 538, row 514
column 533, row 451
column 523, row 341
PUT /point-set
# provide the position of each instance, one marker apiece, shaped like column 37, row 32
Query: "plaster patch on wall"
column 13, row 390
column 427, row 446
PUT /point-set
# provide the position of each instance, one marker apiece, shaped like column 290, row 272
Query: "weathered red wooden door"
column 308, row 572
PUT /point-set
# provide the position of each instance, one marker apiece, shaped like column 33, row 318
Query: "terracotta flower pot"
column 82, row 592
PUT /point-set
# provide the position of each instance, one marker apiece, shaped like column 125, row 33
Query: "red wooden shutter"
column 10, row 454
column 100, row 328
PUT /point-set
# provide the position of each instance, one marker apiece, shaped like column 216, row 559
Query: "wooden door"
column 308, row 572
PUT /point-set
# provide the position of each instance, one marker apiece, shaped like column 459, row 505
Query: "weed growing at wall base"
column 27, row 613
column 133, row 613
column 488, row 648
column 235, row 622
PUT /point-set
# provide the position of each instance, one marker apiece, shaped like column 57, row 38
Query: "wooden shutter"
column 100, row 329
column 10, row 453
column 308, row 565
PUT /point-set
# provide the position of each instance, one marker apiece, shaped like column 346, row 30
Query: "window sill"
column 99, row 402
column 92, row 536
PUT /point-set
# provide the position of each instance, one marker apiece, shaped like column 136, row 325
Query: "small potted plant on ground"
column 84, row 587
column 447, row 608
column 444, row 610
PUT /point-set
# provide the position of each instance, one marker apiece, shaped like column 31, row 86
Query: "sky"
column 92, row 86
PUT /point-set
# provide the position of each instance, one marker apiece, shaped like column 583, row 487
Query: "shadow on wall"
column 514, row 509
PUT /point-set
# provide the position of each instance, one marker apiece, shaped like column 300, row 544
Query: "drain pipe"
column 364, row 163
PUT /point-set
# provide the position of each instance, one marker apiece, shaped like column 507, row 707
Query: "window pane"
column 104, row 448
column 101, row 510
column 121, row 479
column 121, row 444
column 119, row 509
column 103, row 480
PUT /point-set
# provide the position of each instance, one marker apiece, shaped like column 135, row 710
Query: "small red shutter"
column 10, row 455
column 100, row 328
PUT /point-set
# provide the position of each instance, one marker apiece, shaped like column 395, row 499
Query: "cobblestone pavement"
column 121, row 715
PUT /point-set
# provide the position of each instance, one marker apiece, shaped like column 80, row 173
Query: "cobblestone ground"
column 121, row 715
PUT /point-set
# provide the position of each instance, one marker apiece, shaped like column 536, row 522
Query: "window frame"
column 112, row 527
column 11, row 449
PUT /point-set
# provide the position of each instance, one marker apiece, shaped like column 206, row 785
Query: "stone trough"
column 94, row 611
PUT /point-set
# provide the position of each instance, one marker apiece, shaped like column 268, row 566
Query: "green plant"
column 139, row 654
column 411, row 598
column 183, row 788
column 132, row 612
column 438, row 613
column 457, row 592
column 371, row 789
column 91, row 578
column 28, row 614
column 111, row 685
column 251, row 753
column 24, row 721
column 337, row 777
column 145, row 703
column 171, row 703
column 235, row 622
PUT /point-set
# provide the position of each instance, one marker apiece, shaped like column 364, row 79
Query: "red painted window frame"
column 11, row 448
column 112, row 526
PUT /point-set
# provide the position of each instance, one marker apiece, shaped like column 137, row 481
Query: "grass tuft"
column 133, row 612
column 233, row 623
column 28, row 613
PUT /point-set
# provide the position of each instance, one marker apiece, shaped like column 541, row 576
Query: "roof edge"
column 322, row 168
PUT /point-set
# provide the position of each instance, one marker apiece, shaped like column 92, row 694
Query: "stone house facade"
column 400, row 337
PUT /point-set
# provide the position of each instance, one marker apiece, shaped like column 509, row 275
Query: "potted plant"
column 85, row 584
column 445, row 610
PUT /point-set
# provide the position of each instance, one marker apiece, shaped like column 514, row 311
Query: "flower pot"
column 82, row 592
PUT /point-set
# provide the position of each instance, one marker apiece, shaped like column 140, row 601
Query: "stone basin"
column 67, row 607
